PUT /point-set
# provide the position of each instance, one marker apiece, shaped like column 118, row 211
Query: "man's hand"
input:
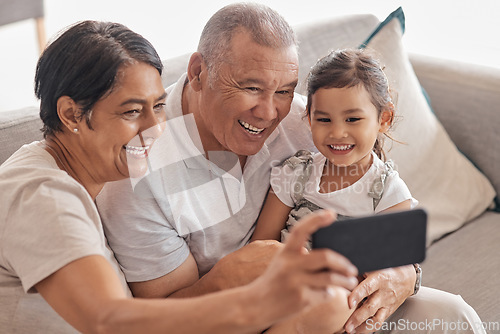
column 385, row 290
column 235, row 269
column 244, row 265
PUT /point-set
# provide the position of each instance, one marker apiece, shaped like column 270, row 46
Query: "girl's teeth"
column 250, row 128
column 341, row 147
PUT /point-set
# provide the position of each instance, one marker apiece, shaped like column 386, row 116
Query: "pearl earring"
column 75, row 130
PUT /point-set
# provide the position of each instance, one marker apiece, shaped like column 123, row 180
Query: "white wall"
column 457, row 29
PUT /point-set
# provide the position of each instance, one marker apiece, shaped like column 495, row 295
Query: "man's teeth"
column 250, row 128
column 341, row 147
column 137, row 150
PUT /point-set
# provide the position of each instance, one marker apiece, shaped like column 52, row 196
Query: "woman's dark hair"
column 82, row 63
column 349, row 68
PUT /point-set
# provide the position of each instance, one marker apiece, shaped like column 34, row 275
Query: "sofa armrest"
column 466, row 99
column 17, row 128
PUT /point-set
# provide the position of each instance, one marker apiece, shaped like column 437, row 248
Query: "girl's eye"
column 324, row 120
column 352, row 119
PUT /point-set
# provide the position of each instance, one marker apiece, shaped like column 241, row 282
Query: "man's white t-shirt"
column 188, row 203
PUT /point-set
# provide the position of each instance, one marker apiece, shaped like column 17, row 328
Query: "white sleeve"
column 282, row 179
column 395, row 192
column 145, row 244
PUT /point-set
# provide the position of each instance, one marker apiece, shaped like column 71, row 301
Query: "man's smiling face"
column 248, row 97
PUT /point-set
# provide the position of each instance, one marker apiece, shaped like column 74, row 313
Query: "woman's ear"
column 386, row 117
column 194, row 70
column 68, row 111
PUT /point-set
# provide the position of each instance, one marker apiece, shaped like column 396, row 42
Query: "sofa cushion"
column 18, row 127
column 471, row 116
column 173, row 68
column 318, row 39
column 446, row 183
column 460, row 263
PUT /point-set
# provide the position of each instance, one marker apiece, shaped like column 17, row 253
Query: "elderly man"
column 182, row 230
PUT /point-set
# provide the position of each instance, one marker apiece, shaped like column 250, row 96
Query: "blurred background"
column 454, row 29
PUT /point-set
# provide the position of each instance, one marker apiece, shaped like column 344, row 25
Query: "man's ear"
column 386, row 117
column 194, row 70
column 68, row 112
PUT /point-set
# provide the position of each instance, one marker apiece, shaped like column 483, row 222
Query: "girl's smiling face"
column 345, row 125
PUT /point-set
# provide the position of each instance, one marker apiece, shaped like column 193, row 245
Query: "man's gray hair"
column 265, row 25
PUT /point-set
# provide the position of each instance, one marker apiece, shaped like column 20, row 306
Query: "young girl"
column 350, row 110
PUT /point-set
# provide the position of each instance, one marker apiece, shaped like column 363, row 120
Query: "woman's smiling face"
column 125, row 123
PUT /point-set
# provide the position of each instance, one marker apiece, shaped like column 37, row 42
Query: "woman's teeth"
column 137, row 150
column 250, row 128
column 341, row 147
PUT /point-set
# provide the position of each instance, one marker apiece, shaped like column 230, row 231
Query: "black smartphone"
column 379, row 241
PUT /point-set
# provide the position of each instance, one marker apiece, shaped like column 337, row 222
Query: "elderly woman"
column 102, row 105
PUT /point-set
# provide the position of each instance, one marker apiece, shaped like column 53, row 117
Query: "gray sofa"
column 466, row 100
